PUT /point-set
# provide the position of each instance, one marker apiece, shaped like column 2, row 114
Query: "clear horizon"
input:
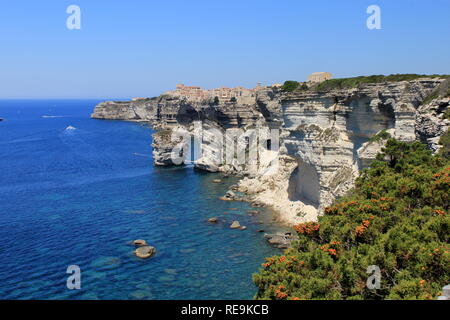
column 142, row 49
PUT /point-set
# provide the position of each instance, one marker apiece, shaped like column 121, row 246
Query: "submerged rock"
column 141, row 295
column 106, row 263
column 145, row 252
column 213, row 220
column 217, row 181
column 172, row 272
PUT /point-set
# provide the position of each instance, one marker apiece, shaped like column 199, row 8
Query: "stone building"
column 193, row 93
column 319, row 76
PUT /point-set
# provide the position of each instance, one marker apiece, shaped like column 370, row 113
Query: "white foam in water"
column 71, row 128
column 45, row 116
column 141, row 154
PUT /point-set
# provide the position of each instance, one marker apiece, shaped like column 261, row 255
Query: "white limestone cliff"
column 325, row 137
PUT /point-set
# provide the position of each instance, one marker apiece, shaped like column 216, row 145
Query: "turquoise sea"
column 79, row 197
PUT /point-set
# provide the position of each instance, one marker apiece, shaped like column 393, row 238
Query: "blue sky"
column 142, row 48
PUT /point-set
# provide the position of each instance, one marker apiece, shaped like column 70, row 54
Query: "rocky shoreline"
column 325, row 137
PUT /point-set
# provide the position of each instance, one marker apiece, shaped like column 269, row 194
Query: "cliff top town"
column 239, row 94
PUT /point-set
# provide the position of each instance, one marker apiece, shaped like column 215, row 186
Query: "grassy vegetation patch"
column 347, row 83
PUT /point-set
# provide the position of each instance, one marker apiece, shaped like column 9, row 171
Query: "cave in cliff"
column 304, row 184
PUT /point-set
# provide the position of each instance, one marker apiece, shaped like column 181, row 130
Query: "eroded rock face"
column 168, row 146
column 324, row 137
column 431, row 122
column 369, row 150
column 325, row 130
column 140, row 110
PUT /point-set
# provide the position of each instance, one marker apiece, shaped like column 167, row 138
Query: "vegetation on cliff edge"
column 396, row 218
column 354, row 82
column 291, row 86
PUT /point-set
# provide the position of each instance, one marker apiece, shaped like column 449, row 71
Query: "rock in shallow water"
column 213, row 220
column 235, row 225
column 140, row 242
column 145, row 252
column 281, row 240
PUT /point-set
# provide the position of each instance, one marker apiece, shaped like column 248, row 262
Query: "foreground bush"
column 396, row 218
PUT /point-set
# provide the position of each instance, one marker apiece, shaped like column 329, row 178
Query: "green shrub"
column 290, row 85
column 382, row 135
column 395, row 218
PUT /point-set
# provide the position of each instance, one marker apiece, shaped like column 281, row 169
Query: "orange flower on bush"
column 360, row 230
column 331, row 210
column 332, row 252
column 280, row 294
column 440, row 212
column 307, row 228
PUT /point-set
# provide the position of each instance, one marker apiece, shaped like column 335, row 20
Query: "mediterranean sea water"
column 77, row 191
